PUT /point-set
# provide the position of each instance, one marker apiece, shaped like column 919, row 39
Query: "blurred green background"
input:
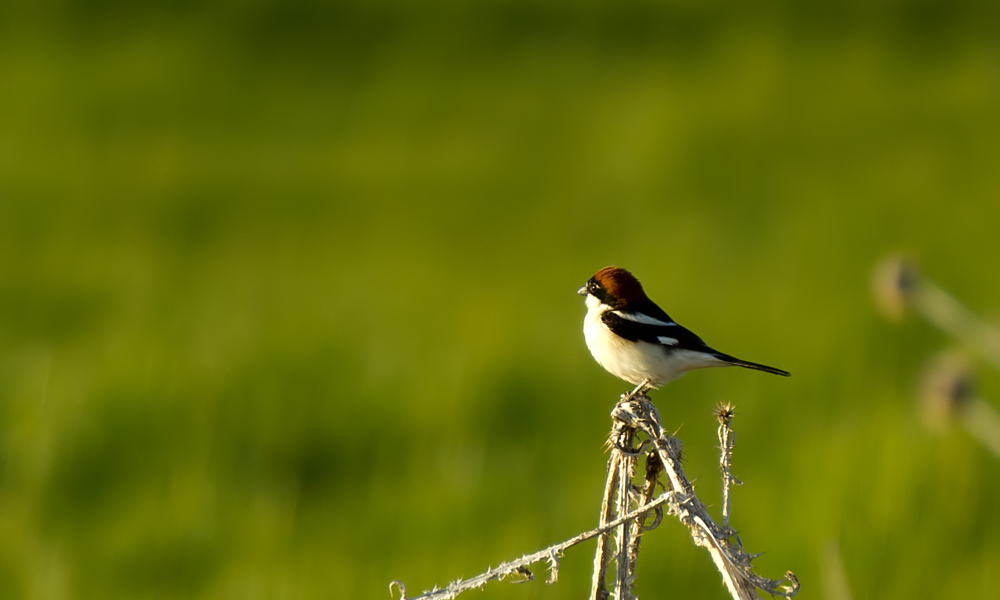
column 287, row 287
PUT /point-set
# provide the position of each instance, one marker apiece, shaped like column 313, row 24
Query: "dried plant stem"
column 623, row 576
column 950, row 315
column 982, row 421
column 635, row 415
column 950, row 383
column 598, row 585
column 899, row 285
column 729, row 557
column 617, row 501
column 726, row 439
column 552, row 554
column 653, row 470
column 834, row 576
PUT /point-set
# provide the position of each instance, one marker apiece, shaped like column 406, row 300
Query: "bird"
column 635, row 340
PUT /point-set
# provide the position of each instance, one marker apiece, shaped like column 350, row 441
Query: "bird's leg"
column 638, row 391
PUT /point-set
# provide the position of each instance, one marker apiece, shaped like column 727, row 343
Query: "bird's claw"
column 639, row 391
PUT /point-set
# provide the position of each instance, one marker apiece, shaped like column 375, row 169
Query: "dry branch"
column 552, row 554
column 949, row 389
column 725, row 548
column 900, row 286
column 625, row 507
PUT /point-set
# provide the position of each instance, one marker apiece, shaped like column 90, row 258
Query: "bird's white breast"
column 636, row 361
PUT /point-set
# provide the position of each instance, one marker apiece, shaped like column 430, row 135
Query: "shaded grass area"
column 286, row 289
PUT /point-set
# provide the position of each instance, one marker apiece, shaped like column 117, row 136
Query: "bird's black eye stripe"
column 597, row 290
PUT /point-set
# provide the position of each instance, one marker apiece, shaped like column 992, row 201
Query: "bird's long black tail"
column 746, row 364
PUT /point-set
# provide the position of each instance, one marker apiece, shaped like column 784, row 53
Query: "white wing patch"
column 667, row 341
column 645, row 319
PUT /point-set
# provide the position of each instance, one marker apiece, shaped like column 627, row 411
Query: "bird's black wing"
column 648, row 308
column 652, row 325
column 670, row 335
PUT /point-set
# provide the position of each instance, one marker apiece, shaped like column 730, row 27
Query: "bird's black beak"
column 582, row 291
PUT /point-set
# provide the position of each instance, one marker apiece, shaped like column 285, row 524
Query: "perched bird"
column 633, row 339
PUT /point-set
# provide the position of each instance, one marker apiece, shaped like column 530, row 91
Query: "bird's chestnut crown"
column 616, row 287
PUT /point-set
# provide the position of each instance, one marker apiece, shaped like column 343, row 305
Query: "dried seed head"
column 724, row 413
column 894, row 282
column 948, row 386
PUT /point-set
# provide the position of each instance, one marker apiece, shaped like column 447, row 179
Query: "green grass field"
column 287, row 300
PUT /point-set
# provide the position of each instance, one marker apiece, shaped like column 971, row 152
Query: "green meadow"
column 287, row 288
